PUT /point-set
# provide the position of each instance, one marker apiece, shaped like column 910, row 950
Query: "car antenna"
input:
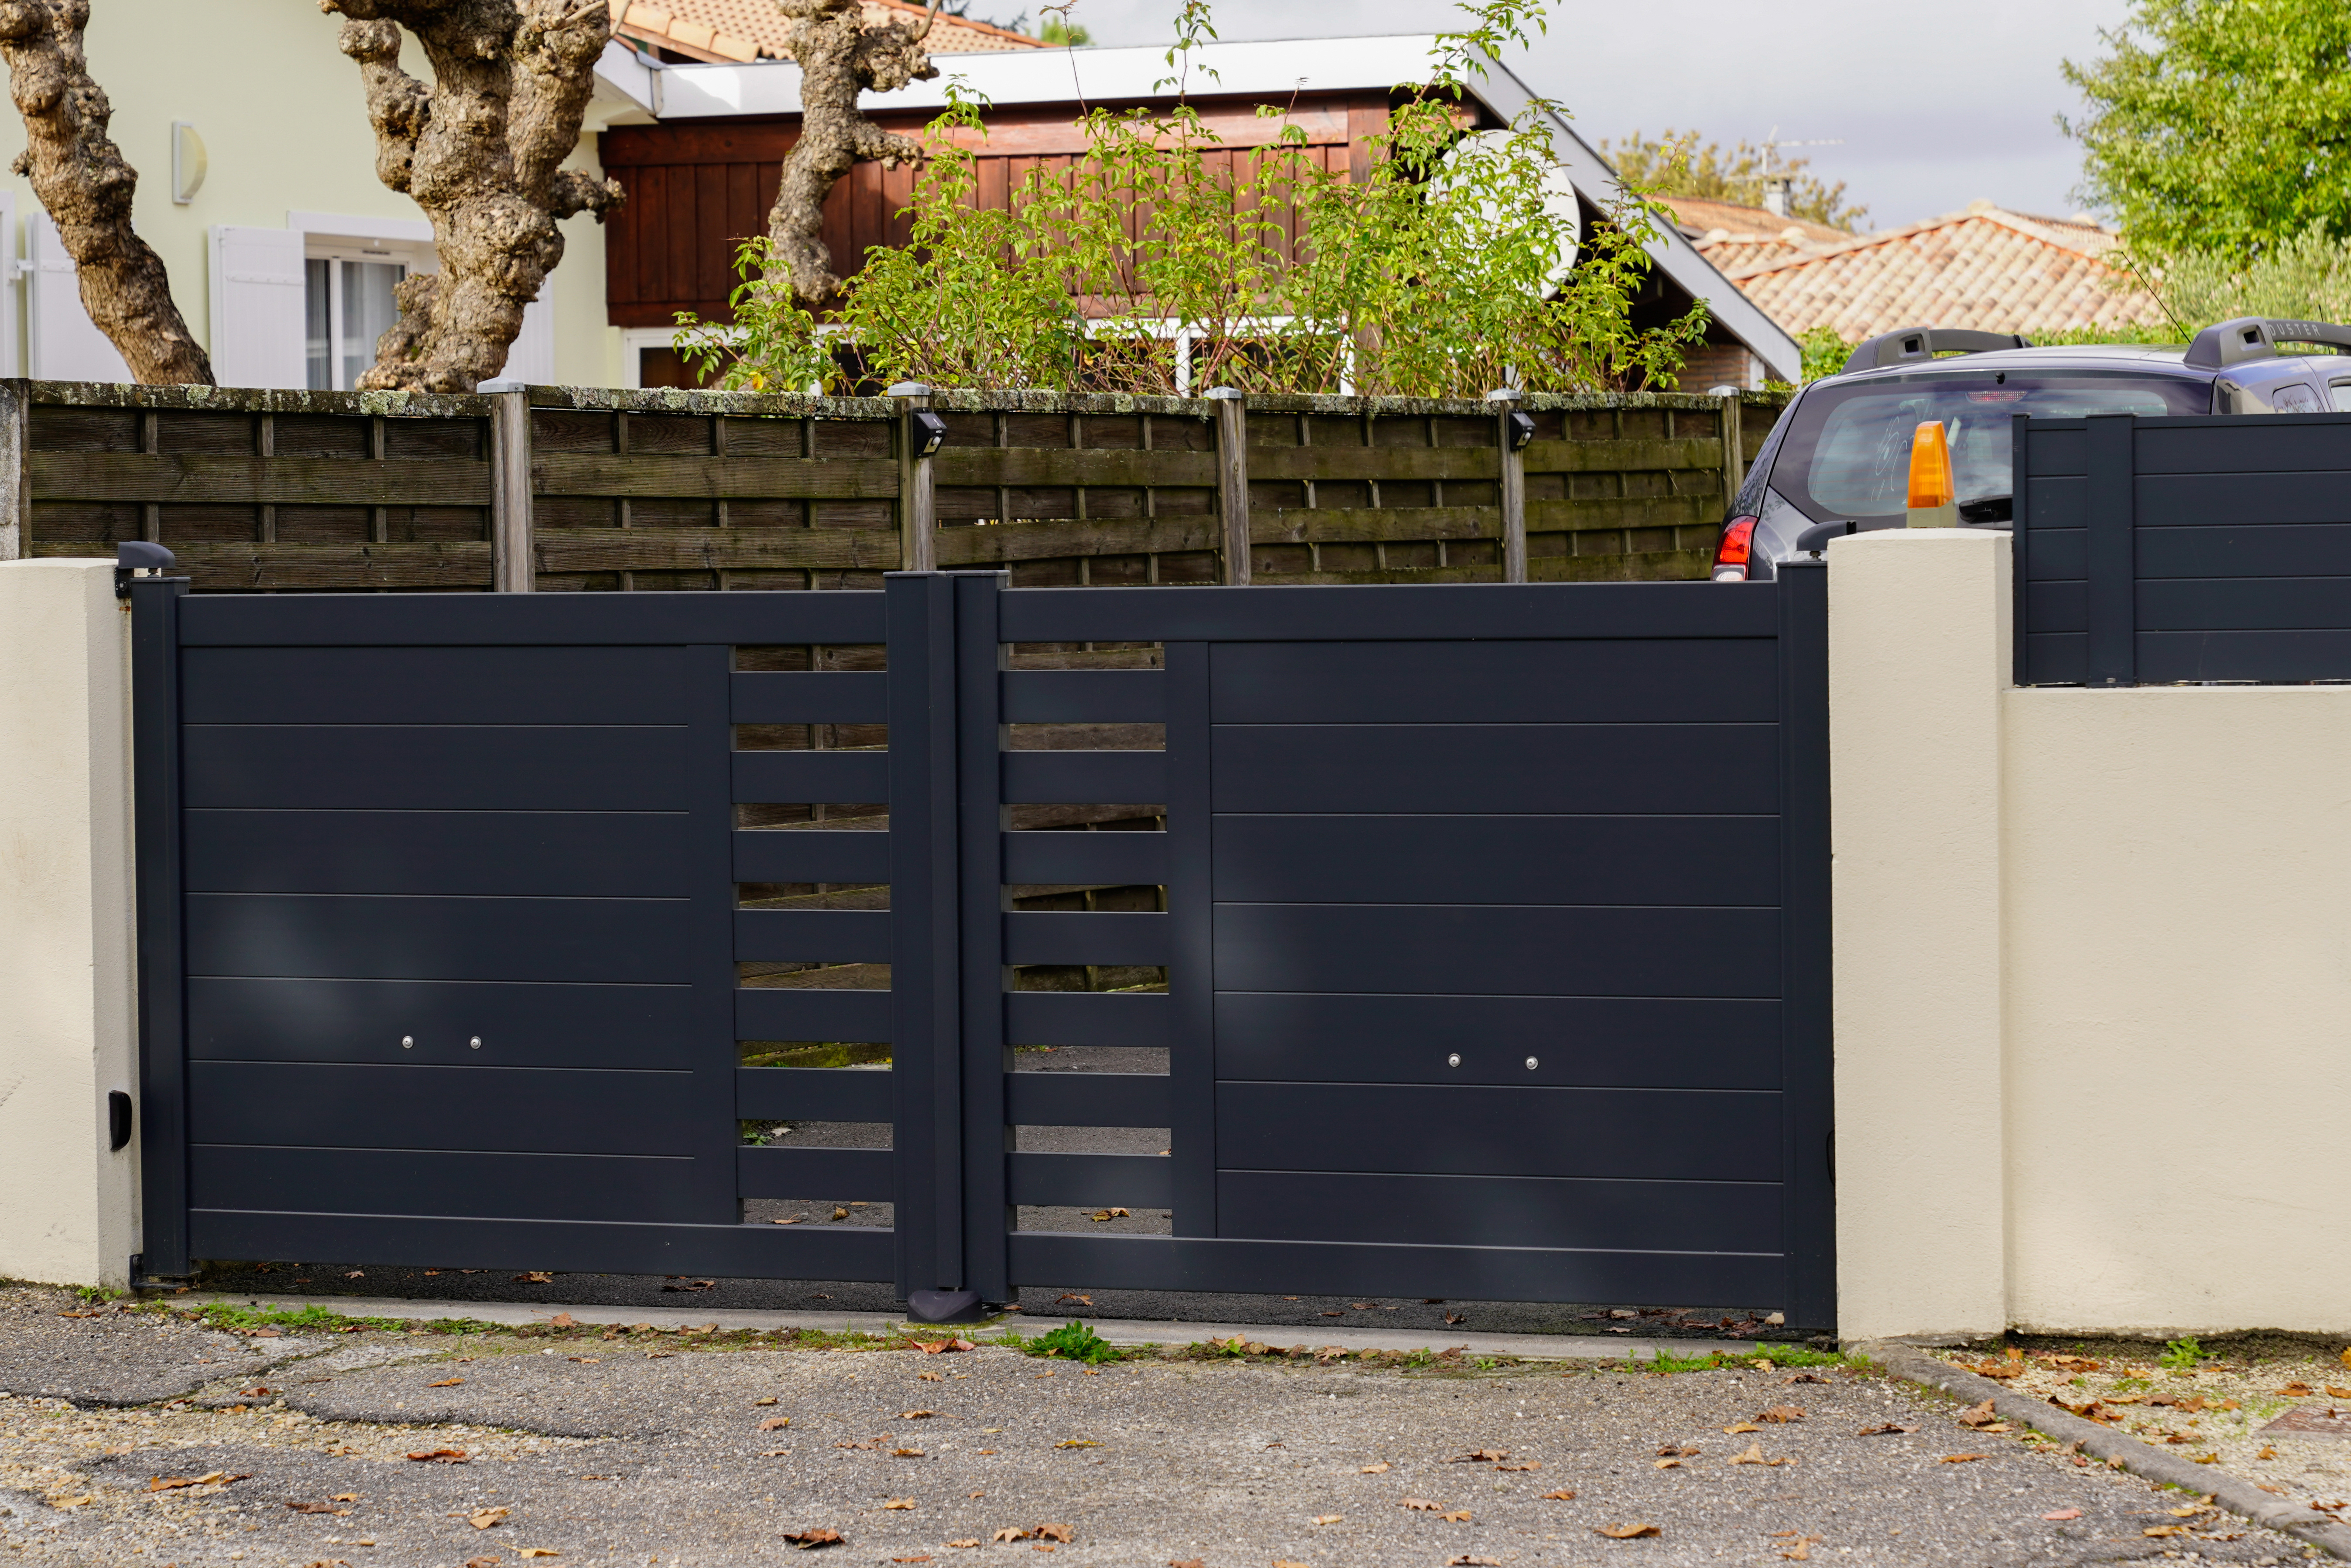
column 2131, row 262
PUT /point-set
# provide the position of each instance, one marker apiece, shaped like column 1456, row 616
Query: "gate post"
column 67, row 1032
column 925, row 992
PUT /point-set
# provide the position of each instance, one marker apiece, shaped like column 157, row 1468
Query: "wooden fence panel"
column 674, row 489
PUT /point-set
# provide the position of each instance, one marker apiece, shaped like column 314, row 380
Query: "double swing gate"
column 1493, row 926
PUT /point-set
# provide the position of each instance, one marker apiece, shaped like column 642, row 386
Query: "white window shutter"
column 530, row 359
column 257, row 305
column 66, row 345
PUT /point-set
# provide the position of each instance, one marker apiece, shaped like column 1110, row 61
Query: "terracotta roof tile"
column 1985, row 267
column 717, row 30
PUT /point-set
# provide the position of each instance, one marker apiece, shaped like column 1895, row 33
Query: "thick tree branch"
column 480, row 151
column 838, row 57
column 86, row 187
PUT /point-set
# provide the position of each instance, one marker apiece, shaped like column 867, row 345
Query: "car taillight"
column 1731, row 557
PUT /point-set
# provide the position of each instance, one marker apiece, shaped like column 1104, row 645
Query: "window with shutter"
column 257, row 301
column 65, row 345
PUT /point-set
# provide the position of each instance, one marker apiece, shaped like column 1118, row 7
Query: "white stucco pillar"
column 1918, row 660
column 67, row 1036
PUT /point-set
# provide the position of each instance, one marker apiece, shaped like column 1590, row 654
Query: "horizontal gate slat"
column 1653, row 861
column 1135, row 1181
column 2302, row 603
column 473, row 1109
column 1086, row 1017
column 1066, row 857
column 1501, row 1211
column 276, row 1019
column 537, row 620
column 424, row 768
column 815, row 1173
column 1565, row 770
column 448, row 1182
column 1084, row 696
column 1086, row 1099
column 776, row 1012
column 1407, row 613
column 570, row 855
column 1558, row 681
column 1615, row 1042
column 1528, row 950
column 2165, row 656
column 1343, row 1269
column 434, row 685
column 1419, row 1130
column 814, row 1094
column 2235, row 549
column 1084, row 778
column 801, row 697
column 811, row 854
column 1075, row 939
column 813, row 936
column 754, row 1251
column 583, row 941
column 790, row 778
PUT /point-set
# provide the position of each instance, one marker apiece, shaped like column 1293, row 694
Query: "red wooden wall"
column 697, row 188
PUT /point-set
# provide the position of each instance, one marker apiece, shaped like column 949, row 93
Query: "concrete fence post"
column 68, row 1032
column 1919, row 662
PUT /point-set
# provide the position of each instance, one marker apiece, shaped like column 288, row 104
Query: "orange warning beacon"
column 1933, row 502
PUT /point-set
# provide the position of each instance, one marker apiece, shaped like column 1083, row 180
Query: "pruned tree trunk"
column 480, row 151
column 86, row 187
column 838, row 57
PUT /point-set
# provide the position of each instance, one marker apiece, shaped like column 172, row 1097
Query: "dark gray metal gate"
column 1495, row 927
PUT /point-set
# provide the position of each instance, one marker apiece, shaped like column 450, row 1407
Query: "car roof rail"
column 1925, row 343
column 2257, row 338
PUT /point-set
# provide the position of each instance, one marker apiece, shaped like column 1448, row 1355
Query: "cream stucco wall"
column 2093, row 979
column 66, row 1026
column 285, row 127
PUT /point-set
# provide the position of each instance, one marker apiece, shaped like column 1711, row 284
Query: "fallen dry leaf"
column 1421, row 1505
column 535, row 1276
column 347, row 1497
column 445, row 1383
column 1779, row 1414
column 2063, row 1513
column 563, row 1321
column 771, row 1399
column 2165, row 1529
column 173, row 1483
column 1010, row 1532
column 809, row 1540
column 2069, row 1364
column 2334, row 1393
column 1111, row 1214
column 905, row 1453
column 1379, row 1469
column 1964, row 1458
column 2297, row 1389
column 840, row 1214
column 1077, row 1443
column 485, row 1518
column 964, row 1545
column 1480, row 1457
column 1739, row 1427
column 940, row 1346
column 1064, row 1533
column 1522, row 1465
column 1330, row 1518
column 485, row 1563
column 874, row 1443
column 440, row 1456
column 1466, row 1561
column 932, row 1377
column 901, row 1503
column 1627, row 1532
column 1977, row 1415
column 1808, row 1377
column 917, row 1415
column 1458, row 1516
column 775, row 1423
column 1562, row 1495
column 1676, row 1464
column 2267, row 1453
column 538, row 1552
column 1884, row 1429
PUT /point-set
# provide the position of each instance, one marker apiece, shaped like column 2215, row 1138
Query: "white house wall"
column 285, row 129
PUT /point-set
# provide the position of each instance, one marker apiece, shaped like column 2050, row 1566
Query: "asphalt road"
column 585, row 1451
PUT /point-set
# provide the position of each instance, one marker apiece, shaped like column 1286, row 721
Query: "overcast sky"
column 1936, row 105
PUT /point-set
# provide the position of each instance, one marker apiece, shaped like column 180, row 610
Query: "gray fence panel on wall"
column 2207, row 548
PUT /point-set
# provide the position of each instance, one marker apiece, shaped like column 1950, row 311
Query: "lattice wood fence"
column 559, row 488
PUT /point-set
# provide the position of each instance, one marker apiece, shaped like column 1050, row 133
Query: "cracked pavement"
column 643, row 1449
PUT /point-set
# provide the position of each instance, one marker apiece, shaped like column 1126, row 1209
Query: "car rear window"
column 1848, row 452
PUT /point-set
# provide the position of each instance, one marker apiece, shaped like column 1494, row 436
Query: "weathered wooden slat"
column 1628, row 457
column 1041, row 541
column 1349, row 525
column 1020, row 466
column 1621, row 512
column 244, row 568
column 1387, row 463
column 713, row 479
column 703, row 549
column 231, row 480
